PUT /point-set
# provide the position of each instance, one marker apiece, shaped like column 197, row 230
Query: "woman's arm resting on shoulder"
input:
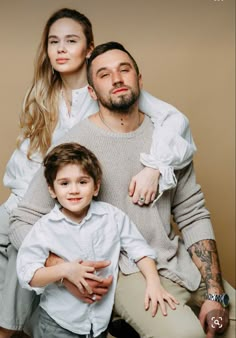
column 172, row 143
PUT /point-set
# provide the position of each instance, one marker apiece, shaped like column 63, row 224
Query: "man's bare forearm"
column 204, row 255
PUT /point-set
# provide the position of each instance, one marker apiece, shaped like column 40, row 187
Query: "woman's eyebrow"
column 67, row 36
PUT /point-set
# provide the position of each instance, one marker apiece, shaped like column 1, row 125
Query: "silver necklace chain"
column 112, row 130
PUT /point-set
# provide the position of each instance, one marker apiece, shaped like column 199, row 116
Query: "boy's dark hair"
column 71, row 153
column 103, row 48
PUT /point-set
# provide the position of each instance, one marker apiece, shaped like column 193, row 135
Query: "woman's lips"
column 61, row 61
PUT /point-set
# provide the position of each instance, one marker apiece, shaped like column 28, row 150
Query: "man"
column 189, row 266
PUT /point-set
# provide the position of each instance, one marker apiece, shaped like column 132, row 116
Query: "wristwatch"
column 223, row 299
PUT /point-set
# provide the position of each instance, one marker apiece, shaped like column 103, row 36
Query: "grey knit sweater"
column 119, row 155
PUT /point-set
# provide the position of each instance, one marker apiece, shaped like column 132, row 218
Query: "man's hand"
column 99, row 288
column 143, row 186
column 213, row 318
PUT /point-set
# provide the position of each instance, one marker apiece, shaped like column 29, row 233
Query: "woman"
column 58, row 98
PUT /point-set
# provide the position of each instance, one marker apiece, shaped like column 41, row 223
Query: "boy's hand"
column 156, row 294
column 99, row 289
column 78, row 274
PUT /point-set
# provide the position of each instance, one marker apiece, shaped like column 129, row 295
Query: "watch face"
column 225, row 300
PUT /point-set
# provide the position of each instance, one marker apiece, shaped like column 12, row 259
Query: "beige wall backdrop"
column 186, row 52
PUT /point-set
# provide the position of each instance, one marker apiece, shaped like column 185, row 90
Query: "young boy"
column 77, row 229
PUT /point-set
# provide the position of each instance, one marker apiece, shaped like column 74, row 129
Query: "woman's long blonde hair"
column 39, row 114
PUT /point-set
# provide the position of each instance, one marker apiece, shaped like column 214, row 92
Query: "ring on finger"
column 141, row 199
column 93, row 297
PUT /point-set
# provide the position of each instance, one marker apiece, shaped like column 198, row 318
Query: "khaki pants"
column 179, row 323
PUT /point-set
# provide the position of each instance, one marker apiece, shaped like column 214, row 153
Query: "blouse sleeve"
column 172, row 142
column 19, row 172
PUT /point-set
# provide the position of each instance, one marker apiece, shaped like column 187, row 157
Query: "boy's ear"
column 51, row 192
column 97, row 188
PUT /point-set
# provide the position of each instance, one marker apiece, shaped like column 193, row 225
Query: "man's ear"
column 92, row 93
column 51, row 192
column 140, row 80
column 97, row 188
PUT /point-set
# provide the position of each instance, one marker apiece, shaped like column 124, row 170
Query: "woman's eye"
column 71, row 41
column 83, row 182
column 52, row 42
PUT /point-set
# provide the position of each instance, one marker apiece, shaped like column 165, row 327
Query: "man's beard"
column 121, row 104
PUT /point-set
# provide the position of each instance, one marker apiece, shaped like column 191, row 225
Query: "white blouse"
column 172, row 145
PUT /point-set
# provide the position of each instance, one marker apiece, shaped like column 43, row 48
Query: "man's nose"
column 117, row 78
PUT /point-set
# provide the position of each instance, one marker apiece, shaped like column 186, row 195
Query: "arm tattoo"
column 204, row 255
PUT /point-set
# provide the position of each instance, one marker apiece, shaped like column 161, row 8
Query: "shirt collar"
column 96, row 208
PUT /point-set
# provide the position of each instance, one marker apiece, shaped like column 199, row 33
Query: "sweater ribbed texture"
column 119, row 155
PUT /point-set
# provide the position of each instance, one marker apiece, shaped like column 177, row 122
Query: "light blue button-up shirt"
column 101, row 235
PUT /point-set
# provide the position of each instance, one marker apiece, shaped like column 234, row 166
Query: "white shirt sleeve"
column 132, row 242
column 172, row 143
column 31, row 256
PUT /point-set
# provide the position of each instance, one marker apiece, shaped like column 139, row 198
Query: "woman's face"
column 67, row 46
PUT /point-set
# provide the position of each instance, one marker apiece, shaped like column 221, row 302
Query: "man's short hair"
column 103, row 48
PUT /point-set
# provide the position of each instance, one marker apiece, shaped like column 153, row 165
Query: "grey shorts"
column 47, row 327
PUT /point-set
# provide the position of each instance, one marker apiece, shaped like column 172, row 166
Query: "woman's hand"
column 143, row 186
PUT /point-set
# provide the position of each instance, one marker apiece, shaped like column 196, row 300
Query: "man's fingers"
column 107, row 281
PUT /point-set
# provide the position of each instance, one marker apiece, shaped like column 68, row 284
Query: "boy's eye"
column 64, row 183
column 71, row 41
column 124, row 70
column 83, row 182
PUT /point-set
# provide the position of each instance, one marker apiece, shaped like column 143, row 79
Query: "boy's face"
column 74, row 190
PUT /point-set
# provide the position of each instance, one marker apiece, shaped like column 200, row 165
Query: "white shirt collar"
column 95, row 208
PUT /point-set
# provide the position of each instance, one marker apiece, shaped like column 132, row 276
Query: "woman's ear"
column 51, row 192
column 90, row 49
